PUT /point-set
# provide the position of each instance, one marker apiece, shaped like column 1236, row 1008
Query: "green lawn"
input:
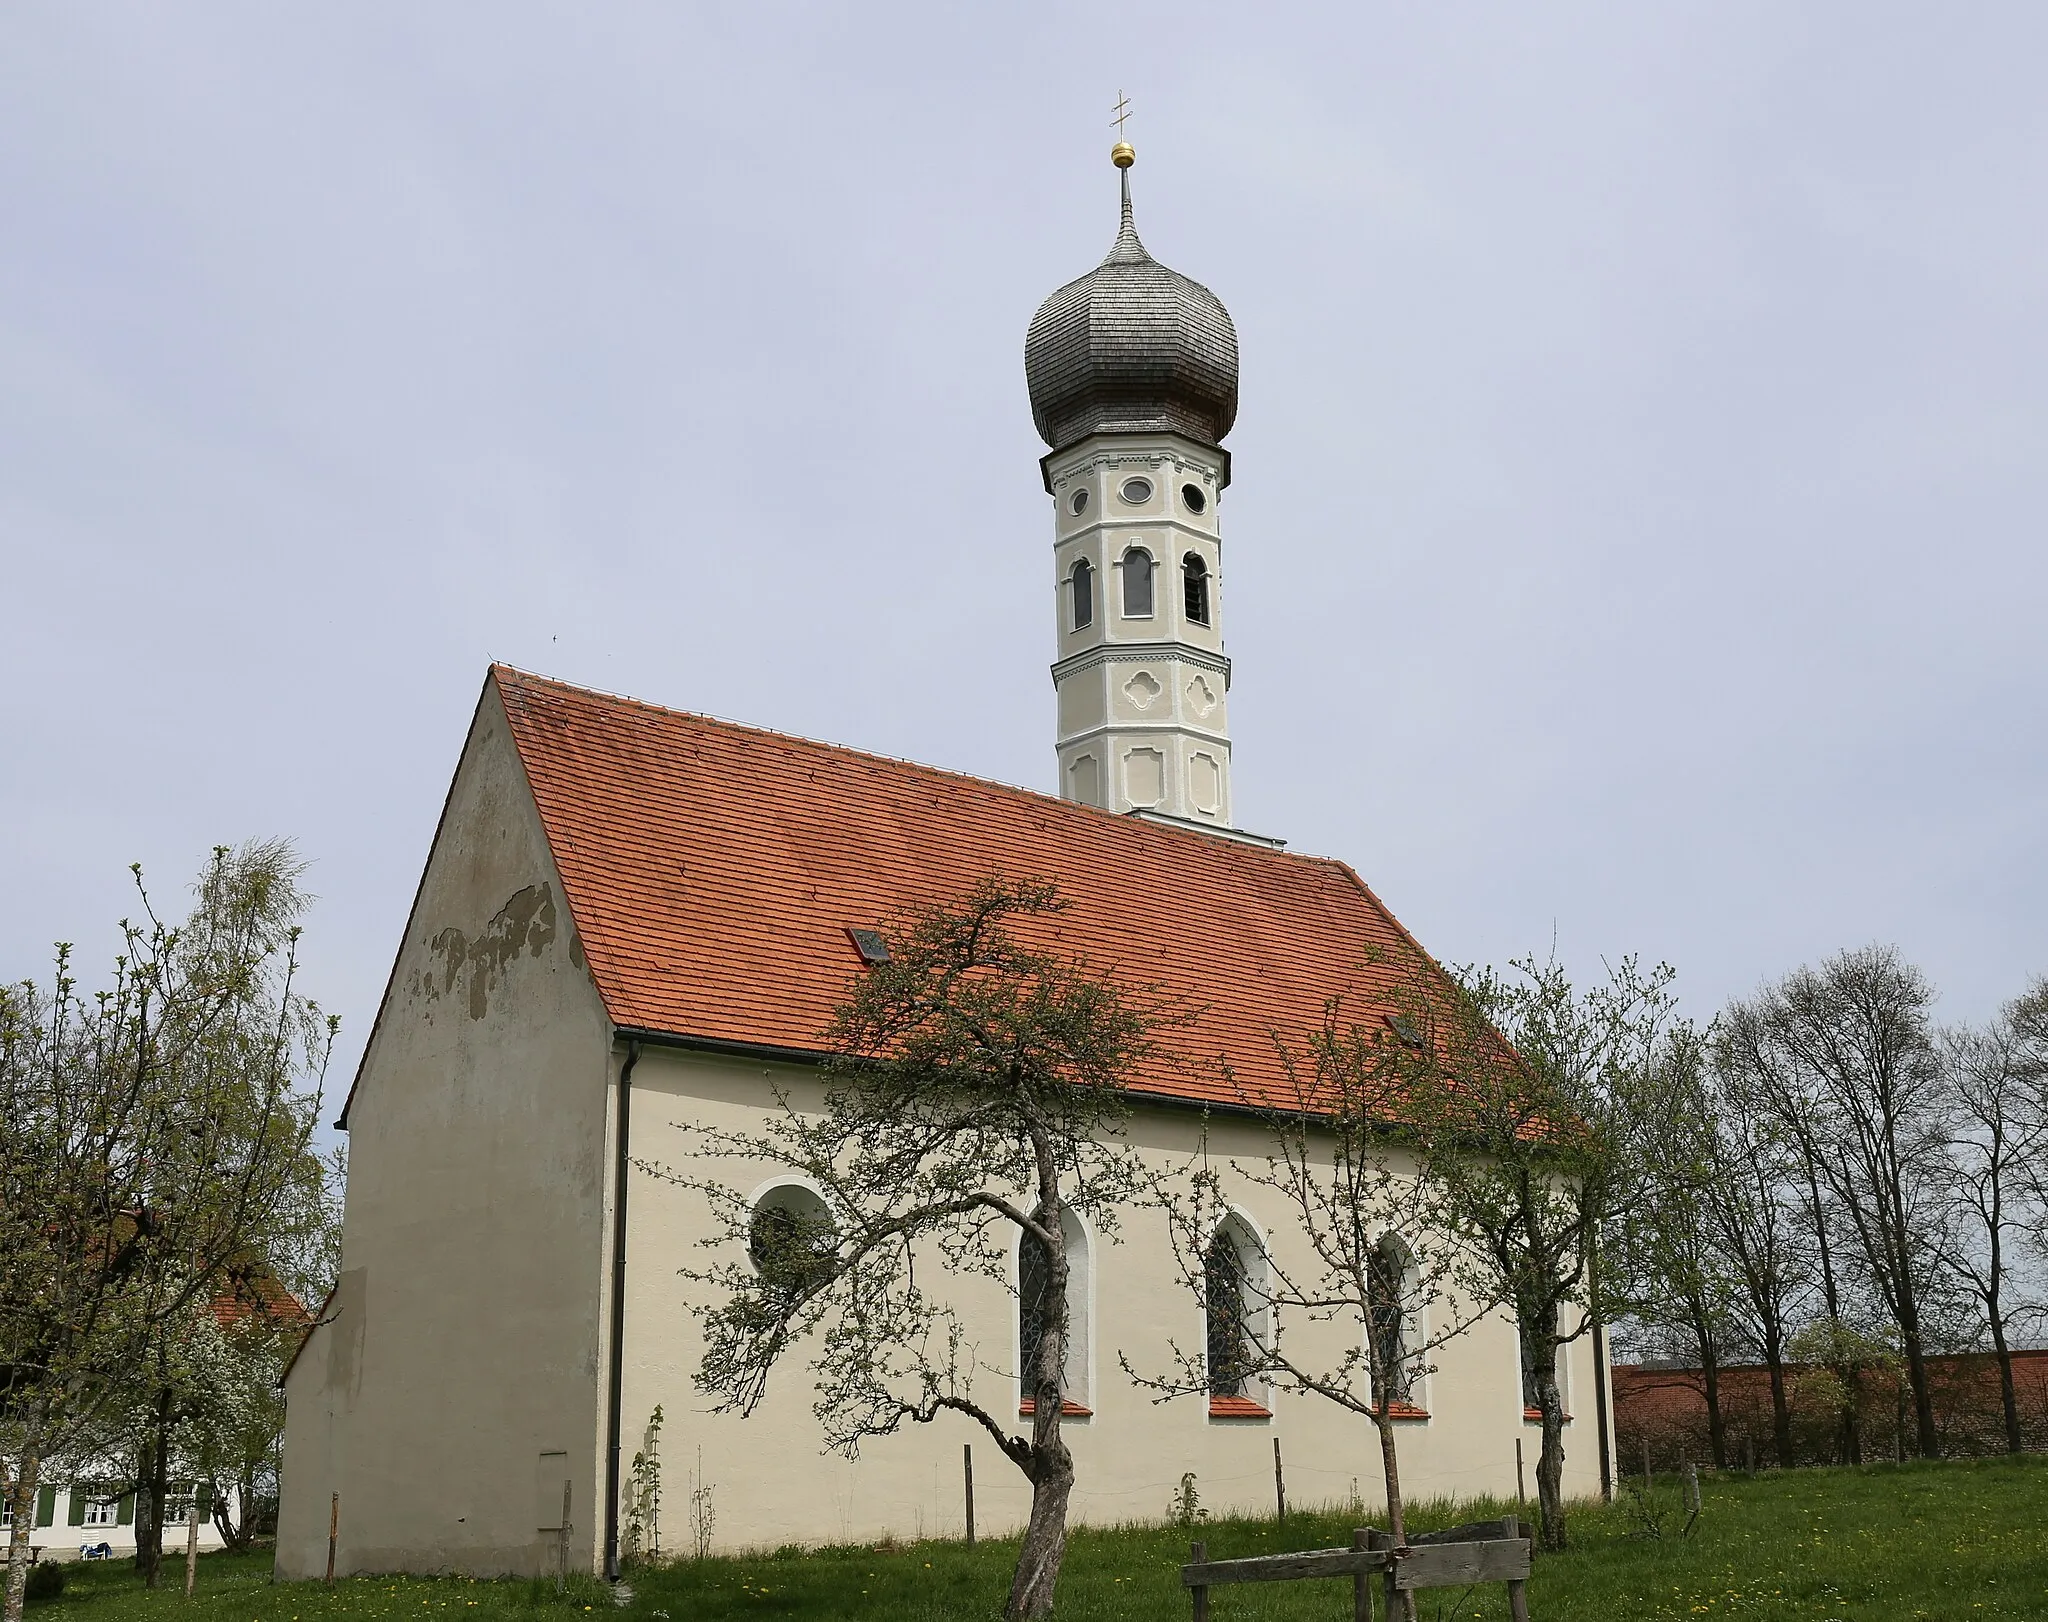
column 1957, row 1540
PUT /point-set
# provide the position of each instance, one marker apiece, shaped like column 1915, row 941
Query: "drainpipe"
column 1600, row 1388
column 621, row 1168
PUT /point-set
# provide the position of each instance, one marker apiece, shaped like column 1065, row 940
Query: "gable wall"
column 770, row 1484
column 463, row 1341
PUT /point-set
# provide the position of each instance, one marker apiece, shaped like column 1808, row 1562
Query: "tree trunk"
column 1781, row 1403
column 1852, row 1410
column 22, row 1501
column 1550, row 1468
column 1923, row 1393
column 149, row 1498
column 1045, row 1534
column 234, row 1532
column 1050, row 1466
column 1717, row 1425
column 1397, row 1516
column 2014, row 1442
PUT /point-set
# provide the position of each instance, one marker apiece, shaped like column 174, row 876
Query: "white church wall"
column 464, row 1340
column 770, row 1485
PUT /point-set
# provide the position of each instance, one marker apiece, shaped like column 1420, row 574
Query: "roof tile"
column 713, row 869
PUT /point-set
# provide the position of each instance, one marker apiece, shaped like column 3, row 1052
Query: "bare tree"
column 1533, row 1110
column 2025, row 1019
column 152, row 1128
column 1748, row 1202
column 1846, row 1054
column 1994, row 1140
column 1681, row 1277
column 978, row 1095
column 1362, row 1200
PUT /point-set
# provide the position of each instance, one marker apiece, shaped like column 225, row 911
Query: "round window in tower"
column 1078, row 502
column 1191, row 494
column 1136, row 491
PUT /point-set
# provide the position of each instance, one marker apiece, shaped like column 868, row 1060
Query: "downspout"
column 1600, row 1387
column 621, row 1168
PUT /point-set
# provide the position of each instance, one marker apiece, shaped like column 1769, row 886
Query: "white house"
column 634, row 917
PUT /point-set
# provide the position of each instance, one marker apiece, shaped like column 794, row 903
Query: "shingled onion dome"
column 1131, row 348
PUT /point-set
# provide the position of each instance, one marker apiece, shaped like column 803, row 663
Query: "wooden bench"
column 1463, row 1557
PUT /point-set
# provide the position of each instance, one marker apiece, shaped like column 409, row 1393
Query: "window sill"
column 1068, row 1410
column 1237, row 1408
column 1534, row 1416
column 1407, row 1411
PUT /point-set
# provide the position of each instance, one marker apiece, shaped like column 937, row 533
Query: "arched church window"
column 1388, row 1271
column 1532, row 1395
column 1232, row 1281
column 1137, row 568
column 1194, row 580
column 1083, row 585
column 791, row 1237
column 1034, row 1290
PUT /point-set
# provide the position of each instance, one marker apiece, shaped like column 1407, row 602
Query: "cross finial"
column 1122, row 111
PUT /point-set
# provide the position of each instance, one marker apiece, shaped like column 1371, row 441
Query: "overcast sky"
column 1638, row 526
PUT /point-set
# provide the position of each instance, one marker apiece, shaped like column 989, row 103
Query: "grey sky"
column 1638, row 526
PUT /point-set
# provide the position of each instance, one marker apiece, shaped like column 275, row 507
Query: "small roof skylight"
column 870, row 944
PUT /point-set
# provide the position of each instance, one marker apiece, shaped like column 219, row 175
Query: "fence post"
column 1279, row 1482
column 192, row 1543
column 333, row 1532
column 1648, row 1482
column 1200, row 1592
column 1361, row 1585
column 1521, row 1488
column 1518, row 1595
column 967, row 1466
column 1376, row 1539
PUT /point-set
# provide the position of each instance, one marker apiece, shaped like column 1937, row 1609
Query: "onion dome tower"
column 1132, row 370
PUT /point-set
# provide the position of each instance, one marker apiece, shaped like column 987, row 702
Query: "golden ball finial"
column 1123, row 154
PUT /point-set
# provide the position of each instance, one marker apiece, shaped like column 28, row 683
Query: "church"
column 634, row 918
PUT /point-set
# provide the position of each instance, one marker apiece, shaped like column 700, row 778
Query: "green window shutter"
column 127, row 1515
column 76, row 1517
column 204, row 1492
column 46, row 1506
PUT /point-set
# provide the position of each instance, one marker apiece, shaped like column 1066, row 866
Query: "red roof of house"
column 713, row 870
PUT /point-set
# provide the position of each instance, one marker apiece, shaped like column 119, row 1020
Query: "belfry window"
column 1083, row 586
column 1137, row 584
column 1194, row 580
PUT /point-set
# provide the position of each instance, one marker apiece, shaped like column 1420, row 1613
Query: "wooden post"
column 1518, row 1596
column 1376, row 1539
column 192, row 1543
column 1200, row 1593
column 1648, row 1480
column 1279, row 1482
column 333, row 1532
column 562, row 1542
column 1689, row 1481
column 1361, row 1585
column 1748, row 1454
column 1521, row 1489
column 967, row 1466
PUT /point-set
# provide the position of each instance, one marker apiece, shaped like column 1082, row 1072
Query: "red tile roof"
column 713, row 870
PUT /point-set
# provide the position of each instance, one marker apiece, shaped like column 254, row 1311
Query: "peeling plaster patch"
column 526, row 921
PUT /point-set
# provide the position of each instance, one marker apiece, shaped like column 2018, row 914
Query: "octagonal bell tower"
column 1133, row 376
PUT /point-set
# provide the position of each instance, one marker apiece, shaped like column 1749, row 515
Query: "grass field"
column 1966, row 1539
